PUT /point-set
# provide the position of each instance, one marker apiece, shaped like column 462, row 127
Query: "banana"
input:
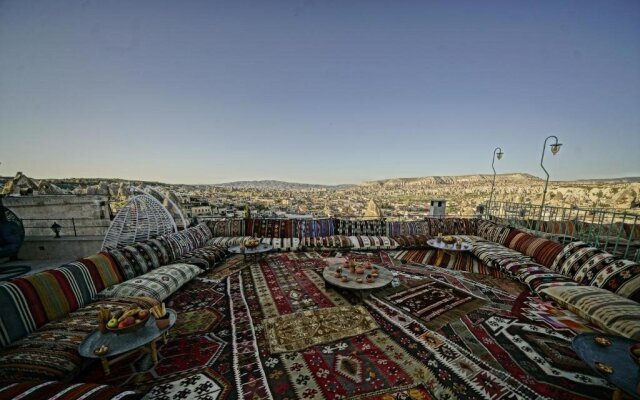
column 129, row 313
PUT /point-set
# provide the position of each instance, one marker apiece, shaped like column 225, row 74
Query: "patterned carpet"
column 219, row 349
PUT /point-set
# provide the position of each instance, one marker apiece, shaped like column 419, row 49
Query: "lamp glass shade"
column 499, row 155
column 555, row 148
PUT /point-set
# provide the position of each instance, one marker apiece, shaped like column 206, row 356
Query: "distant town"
column 404, row 198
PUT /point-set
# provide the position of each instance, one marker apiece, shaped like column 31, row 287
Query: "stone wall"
column 89, row 214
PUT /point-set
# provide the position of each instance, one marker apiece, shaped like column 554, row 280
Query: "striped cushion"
column 412, row 241
column 65, row 391
column 157, row 284
column 327, row 242
column 591, row 266
column 52, row 351
column 106, row 268
column 160, row 248
column 135, row 260
column 542, row 250
column 493, row 232
column 373, row 243
column 205, row 257
column 492, row 254
column 607, row 310
column 227, row 241
column 284, row 244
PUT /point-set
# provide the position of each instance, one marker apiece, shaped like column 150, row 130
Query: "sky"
column 326, row 92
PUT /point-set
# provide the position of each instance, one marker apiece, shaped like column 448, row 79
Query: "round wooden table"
column 450, row 249
column 364, row 289
column 251, row 251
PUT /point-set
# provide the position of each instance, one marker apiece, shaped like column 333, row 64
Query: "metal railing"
column 616, row 231
column 67, row 227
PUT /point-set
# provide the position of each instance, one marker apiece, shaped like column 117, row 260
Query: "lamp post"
column 497, row 153
column 56, row 229
column 555, row 148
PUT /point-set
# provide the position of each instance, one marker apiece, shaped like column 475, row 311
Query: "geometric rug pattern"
column 219, row 347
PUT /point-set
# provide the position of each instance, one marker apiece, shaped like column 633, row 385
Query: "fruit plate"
column 130, row 328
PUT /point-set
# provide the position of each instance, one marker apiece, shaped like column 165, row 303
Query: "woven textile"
column 412, row 241
column 227, row 241
column 434, row 302
column 285, row 244
column 492, row 254
column 292, row 332
column 591, row 266
column 315, row 228
column 157, row 284
column 461, row 262
column 52, row 351
column 493, row 232
column 105, row 266
column 326, row 242
column 205, row 257
column 270, row 228
column 372, row 243
column 605, row 309
column 161, row 250
column 65, row 391
column 135, row 259
column 544, row 251
column 361, row 227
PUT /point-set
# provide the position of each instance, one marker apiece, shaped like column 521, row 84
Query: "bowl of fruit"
column 128, row 321
column 449, row 239
column 251, row 243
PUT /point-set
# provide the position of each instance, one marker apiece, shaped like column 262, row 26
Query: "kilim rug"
column 530, row 308
column 434, row 302
column 306, row 328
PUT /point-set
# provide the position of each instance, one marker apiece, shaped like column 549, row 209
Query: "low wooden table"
column 626, row 372
column 449, row 249
column 122, row 345
column 255, row 252
column 364, row 289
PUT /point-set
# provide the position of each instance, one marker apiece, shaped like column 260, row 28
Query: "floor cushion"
column 333, row 242
column 361, row 242
column 65, row 391
column 412, row 241
column 205, row 257
column 609, row 311
column 591, row 266
column 157, row 284
column 51, row 352
column 282, row 244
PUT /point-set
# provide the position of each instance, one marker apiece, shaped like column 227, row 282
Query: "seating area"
column 493, row 323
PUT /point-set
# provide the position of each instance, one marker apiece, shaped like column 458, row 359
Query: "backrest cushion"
column 362, row 242
column 106, row 268
column 135, row 259
column 542, row 250
column 493, row 232
column 161, row 249
column 592, row 266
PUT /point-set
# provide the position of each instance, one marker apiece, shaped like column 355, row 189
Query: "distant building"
column 201, row 210
column 438, row 208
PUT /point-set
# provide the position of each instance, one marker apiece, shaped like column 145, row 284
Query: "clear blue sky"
column 319, row 92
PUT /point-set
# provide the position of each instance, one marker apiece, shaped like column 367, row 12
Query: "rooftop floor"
column 440, row 334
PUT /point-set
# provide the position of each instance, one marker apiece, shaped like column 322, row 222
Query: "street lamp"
column 555, row 148
column 56, row 229
column 497, row 153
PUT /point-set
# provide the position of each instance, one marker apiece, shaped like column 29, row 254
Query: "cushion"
column 350, row 227
column 105, row 266
column 607, row 310
column 592, row 266
column 205, row 257
column 326, row 242
column 492, row 254
column 182, row 242
column 372, row 243
column 65, row 391
column 227, row 241
column 135, row 259
column 51, row 352
column 412, row 241
column 493, row 232
column 284, row 244
column 157, row 284
column 544, row 251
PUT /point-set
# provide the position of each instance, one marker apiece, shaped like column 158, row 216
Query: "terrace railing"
column 616, row 231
